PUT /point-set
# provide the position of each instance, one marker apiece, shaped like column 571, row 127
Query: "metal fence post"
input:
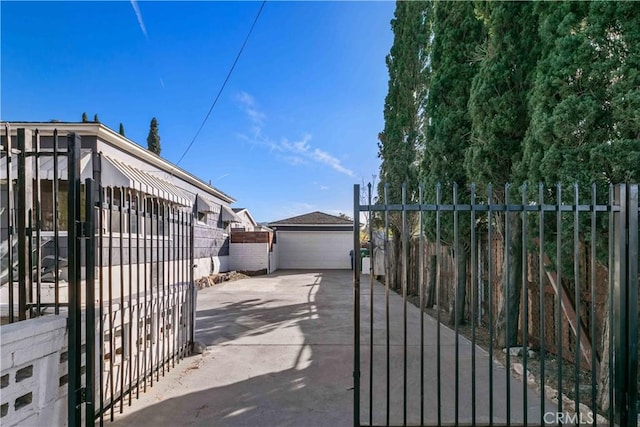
column 356, row 304
column 625, row 300
column 633, row 258
column 74, row 326
column 90, row 309
column 24, row 209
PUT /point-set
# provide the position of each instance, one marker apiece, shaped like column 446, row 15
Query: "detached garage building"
column 314, row 241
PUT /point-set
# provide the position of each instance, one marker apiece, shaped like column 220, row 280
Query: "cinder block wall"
column 33, row 371
column 248, row 256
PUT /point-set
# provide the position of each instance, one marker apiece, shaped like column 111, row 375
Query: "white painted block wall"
column 273, row 259
column 31, row 370
column 248, row 256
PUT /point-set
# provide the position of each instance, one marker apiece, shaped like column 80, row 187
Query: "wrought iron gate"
column 127, row 257
column 433, row 342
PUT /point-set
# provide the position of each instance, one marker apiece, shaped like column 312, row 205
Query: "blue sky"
column 295, row 127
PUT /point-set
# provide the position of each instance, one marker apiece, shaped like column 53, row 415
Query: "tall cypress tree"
column 587, row 93
column 121, row 130
column 153, row 139
column 95, row 118
column 500, row 117
column 401, row 141
column 585, row 121
column 457, row 34
column 85, row 119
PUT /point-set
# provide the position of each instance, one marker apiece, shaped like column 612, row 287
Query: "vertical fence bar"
column 456, row 301
column 525, row 304
column 101, row 300
column 90, row 304
column 438, row 280
column 370, row 219
column 559, row 292
column 139, row 330
column 112, row 338
column 474, row 302
column 10, row 222
column 129, row 337
column 577, row 296
column 592, row 283
column 356, row 304
column 146, row 327
column 74, row 322
column 23, row 213
column 30, row 266
column 37, row 215
column 183, row 276
column 176, row 282
column 176, row 287
column 490, row 280
column 506, row 277
column 158, row 304
column 123, row 348
column 182, row 256
column 611, row 248
column 162, row 285
column 632, row 302
column 405, row 244
column 151, row 315
column 190, row 297
column 422, row 295
column 619, row 316
column 56, row 226
column 541, row 280
column 169, row 324
column 192, row 293
column 387, row 280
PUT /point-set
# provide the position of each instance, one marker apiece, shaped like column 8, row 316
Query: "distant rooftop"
column 315, row 218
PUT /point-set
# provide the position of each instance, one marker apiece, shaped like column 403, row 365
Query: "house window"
column 202, row 217
column 47, row 205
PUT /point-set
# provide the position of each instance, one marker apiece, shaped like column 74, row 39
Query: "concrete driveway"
column 280, row 353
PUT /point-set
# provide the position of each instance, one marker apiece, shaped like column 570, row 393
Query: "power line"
column 215, row 101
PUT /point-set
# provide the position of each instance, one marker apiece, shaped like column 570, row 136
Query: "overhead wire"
column 215, row 101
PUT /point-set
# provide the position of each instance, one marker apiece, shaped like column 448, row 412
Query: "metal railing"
column 546, row 287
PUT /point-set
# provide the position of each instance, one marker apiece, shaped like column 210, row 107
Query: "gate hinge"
column 83, row 395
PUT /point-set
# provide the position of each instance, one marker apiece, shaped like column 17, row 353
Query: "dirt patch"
column 534, row 366
column 214, row 279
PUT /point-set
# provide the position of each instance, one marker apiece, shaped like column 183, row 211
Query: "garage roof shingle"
column 314, row 218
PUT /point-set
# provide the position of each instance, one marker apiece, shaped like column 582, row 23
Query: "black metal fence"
column 503, row 313
column 116, row 261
